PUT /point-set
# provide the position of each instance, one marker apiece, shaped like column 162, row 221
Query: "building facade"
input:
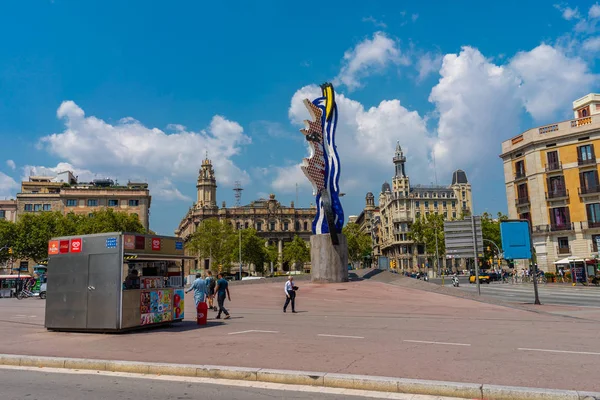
column 551, row 178
column 273, row 221
column 8, row 210
column 368, row 221
column 65, row 194
column 401, row 204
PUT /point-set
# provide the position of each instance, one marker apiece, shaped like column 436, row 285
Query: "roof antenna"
column 238, row 193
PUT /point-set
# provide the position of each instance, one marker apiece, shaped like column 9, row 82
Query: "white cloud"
column 591, row 44
column 377, row 23
column 82, row 175
column 8, row 186
column 550, row 80
column 366, row 139
column 567, row 12
column 129, row 148
column 11, row 164
column 165, row 189
column 368, row 57
column 414, row 17
column 594, row 11
column 428, row 63
column 477, row 107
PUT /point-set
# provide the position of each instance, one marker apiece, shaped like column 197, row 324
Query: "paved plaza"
column 367, row 327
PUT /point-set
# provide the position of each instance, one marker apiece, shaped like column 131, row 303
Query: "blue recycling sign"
column 111, row 243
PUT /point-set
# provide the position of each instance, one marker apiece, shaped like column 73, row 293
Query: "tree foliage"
column 32, row 231
column 253, row 250
column 359, row 243
column 296, row 252
column 216, row 240
column 273, row 255
column 490, row 228
column 424, row 231
column 7, row 239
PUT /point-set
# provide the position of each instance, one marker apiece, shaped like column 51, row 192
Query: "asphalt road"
column 33, row 385
column 549, row 294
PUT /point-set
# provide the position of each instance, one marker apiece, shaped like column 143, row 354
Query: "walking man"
column 210, row 290
column 290, row 294
column 199, row 288
column 222, row 290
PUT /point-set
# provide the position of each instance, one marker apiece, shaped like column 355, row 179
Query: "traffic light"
column 10, row 250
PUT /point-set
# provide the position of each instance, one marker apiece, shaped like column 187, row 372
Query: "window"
column 520, row 169
column 37, row 207
column 272, row 226
column 113, row 203
column 454, row 214
column 464, row 205
column 522, row 194
column 444, row 203
column 553, row 163
column 445, row 214
column 47, row 207
column 585, row 154
column 92, row 203
column 259, row 226
column 593, row 215
column 418, row 215
column 595, row 242
column 71, row 202
column 417, row 203
column 237, row 226
column 134, row 203
column 28, row 207
column 560, row 218
column 453, row 204
column 589, row 182
column 2, row 214
column 463, row 194
column 426, row 204
column 563, row 245
column 435, row 204
column 297, row 226
column 305, row 226
column 245, row 225
column 556, row 186
column 285, row 226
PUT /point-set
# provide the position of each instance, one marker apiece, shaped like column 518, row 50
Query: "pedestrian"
column 222, row 290
column 290, row 294
column 211, row 283
column 561, row 273
column 199, row 288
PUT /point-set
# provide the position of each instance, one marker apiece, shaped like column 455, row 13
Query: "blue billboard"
column 516, row 239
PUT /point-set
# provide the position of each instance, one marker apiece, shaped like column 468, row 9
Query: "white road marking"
column 443, row 343
column 561, row 351
column 247, row 384
column 250, row 331
column 341, row 336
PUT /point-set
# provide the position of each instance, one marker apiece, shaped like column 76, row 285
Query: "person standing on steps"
column 222, row 290
column 290, row 294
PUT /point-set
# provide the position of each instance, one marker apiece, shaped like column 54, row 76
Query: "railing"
column 581, row 121
column 555, row 166
column 557, row 194
column 587, row 161
column 521, row 201
column 548, row 129
column 520, row 175
column 561, row 227
column 563, row 250
column 589, row 190
column 541, row 229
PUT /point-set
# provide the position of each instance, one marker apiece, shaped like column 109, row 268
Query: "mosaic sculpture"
column 322, row 168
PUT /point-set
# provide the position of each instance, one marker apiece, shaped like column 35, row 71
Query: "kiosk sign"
column 76, row 246
column 63, row 247
column 52, row 247
column 156, row 244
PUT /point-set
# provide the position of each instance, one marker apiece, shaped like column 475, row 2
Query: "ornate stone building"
column 273, row 221
column 401, row 204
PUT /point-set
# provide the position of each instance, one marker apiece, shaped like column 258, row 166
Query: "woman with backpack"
column 210, row 288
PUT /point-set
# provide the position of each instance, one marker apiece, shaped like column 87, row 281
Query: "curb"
column 342, row 381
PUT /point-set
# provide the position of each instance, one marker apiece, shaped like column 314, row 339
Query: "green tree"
column 490, row 228
column 106, row 220
column 424, row 231
column 34, row 231
column 273, row 255
column 296, row 252
column 216, row 240
column 7, row 239
column 253, row 249
column 359, row 243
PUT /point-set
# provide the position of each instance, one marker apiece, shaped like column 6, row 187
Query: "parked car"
column 483, row 278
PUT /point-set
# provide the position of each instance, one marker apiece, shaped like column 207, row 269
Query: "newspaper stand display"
column 112, row 282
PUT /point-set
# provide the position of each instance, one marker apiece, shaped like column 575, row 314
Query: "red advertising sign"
column 75, row 245
column 156, row 244
column 63, row 247
column 140, row 242
column 129, row 241
column 52, row 247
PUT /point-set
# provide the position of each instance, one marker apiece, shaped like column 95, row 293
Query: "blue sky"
column 142, row 89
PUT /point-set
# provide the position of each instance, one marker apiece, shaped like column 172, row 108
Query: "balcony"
column 568, row 226
column 588, row 161
column 554, row 167
column 563, row 250
column 559, row 194
column 520, row 175
column 522, row 201
column 595, row 189
column 590, row 224
column 540, row 229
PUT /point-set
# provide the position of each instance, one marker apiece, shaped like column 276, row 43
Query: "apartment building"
column 8, row 210
column 64, row 193
column 401, row 204
column 551, row 177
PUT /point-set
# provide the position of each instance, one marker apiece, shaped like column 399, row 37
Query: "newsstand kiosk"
column 113, row 282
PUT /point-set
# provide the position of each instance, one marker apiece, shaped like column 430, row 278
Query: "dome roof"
column 459, row 177
column 370, row 195
column 386, row 187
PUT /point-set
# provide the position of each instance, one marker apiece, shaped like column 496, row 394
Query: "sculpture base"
column 329, row 263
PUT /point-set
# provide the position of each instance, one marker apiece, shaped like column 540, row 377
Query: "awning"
column 569, row 260
column 157, row 257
